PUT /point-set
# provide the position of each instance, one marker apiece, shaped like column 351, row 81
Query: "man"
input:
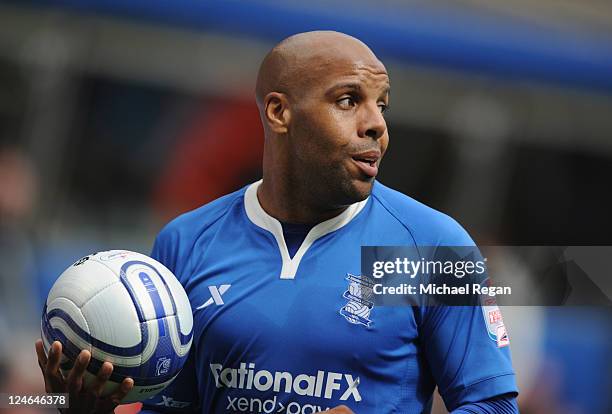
column 265, row 267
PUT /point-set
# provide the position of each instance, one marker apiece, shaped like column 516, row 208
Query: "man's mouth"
column 367, row 162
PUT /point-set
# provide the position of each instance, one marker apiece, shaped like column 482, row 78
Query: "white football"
column 125, row 308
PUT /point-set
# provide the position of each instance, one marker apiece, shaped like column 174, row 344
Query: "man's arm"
column 465, row 360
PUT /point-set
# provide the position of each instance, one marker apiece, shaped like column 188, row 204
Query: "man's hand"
column 341, row 409
column 82, row 399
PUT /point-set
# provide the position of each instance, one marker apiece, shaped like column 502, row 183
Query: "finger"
column 103, row 375
column 42, row 363
column 55, row 357
column 75, row 377
column 108, row 404
column 54, row 380
column 124, row 388
column 40, row 352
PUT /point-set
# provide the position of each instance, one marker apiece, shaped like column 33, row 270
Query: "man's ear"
column 277, row 112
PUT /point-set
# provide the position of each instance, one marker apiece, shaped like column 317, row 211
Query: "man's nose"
column 372, row 123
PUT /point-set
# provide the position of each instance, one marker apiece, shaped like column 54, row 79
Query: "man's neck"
column 286, row 204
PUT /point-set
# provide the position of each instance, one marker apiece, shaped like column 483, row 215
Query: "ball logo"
column 113, row 255
column 163, row 366
column 359, row 295
column 81, row 261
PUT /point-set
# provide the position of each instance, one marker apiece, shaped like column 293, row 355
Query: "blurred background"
column 116, row 116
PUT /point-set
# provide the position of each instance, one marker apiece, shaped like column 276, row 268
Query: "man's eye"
column 383, row 108
column 346, row 103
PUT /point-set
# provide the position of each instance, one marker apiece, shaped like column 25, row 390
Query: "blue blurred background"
column 116, row 116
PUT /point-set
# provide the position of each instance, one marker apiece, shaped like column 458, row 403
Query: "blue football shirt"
column 268, row 332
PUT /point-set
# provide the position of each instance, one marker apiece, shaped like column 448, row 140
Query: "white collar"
column 262, row 219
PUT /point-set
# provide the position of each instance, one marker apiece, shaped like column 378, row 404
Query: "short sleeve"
column 467, row 363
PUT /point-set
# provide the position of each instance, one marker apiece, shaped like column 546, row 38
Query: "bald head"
column 292, row 65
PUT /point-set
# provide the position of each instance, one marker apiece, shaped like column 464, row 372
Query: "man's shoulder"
column 427, row 225
column 192, row 223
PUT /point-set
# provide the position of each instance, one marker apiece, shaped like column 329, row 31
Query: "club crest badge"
column 359, row 294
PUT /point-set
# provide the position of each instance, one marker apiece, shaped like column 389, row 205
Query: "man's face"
column 338, row 133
